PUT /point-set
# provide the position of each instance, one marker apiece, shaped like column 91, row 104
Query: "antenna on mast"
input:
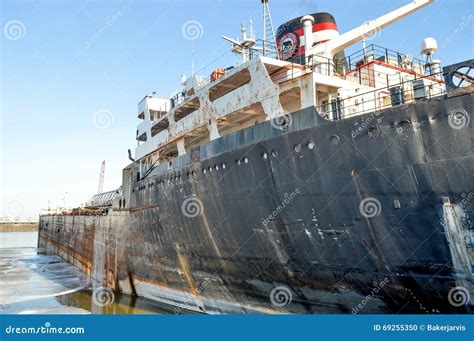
column 244, row 46
column 268, row 34
column 101, row 178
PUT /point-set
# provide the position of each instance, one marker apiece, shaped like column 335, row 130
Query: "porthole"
column 204, row 170
column 264, row 155
column 274, row 153
column 311, row 144
column 297, row 148
column 210, row 169
column 187, row 174
column 223, row 165
column 404, row 126
column 193, row 173
column 238, row 162
column 216, row 167
column 246, row 159
column 334, row 139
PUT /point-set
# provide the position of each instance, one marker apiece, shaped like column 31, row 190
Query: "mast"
column 268, row 33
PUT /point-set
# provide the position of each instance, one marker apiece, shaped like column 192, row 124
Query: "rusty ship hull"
column 233, row 252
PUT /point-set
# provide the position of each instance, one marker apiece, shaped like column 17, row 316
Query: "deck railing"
column 393, row 95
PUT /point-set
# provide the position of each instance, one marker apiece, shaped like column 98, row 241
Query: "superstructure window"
column 142, row 138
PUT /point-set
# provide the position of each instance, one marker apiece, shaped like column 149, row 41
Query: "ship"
column 304, row 180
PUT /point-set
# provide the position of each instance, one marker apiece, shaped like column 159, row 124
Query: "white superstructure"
column 263, row 88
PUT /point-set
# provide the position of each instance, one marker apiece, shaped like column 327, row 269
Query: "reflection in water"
column 122, row 304
column 35, row 283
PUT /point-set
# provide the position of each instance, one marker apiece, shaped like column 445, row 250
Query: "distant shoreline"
column 18, row 226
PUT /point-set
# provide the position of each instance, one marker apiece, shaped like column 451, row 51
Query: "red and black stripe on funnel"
column 290, row 35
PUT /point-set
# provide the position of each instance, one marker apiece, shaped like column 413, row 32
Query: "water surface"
column 33, row 282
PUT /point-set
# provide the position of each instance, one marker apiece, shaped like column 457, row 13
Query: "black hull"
column 295, row 220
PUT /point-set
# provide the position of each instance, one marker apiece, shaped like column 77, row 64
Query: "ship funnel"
column 291, row 36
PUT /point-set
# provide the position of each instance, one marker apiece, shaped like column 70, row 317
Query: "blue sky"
column 73, row 72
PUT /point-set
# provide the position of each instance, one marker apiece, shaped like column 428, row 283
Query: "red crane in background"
column 101, row 178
